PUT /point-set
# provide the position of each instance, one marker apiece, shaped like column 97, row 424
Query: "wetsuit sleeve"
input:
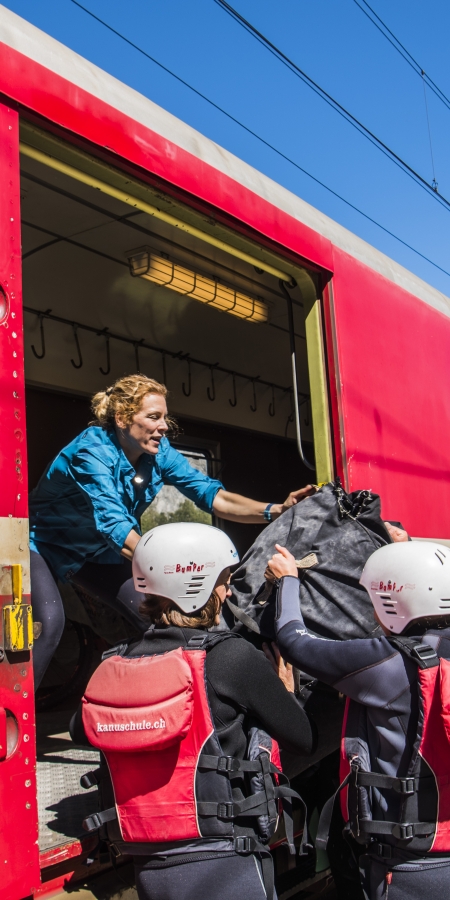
column 329, row 661
column 196, row 486
column 239, row 672
column 94, row 476
column 76, row 728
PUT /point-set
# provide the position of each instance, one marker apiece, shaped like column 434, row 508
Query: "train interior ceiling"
column 88, row 320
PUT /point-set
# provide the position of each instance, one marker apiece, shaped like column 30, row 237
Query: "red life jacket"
column 423, row 822
column 151, row 719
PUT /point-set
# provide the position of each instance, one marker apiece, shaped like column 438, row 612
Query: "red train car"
column 127, row 241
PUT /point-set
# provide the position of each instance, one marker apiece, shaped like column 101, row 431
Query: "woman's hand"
column 281, row 564
column 297, row 496
column 131, row 541
column 397, row 534
column 281, row 668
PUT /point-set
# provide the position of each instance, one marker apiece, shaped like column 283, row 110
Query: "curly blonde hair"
column 163, row 612
column 124, row 399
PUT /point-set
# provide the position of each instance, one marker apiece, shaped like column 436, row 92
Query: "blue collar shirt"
column 86, row 502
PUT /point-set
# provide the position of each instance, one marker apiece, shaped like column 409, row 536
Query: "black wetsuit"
column 383, row 683
column 241, row 687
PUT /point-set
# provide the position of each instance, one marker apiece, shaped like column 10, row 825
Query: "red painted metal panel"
column 394, row 356
column 13, row 462
column 65, row 104
column 334, row 387
column 19, row 858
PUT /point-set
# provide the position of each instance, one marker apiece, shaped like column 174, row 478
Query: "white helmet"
column 408, row 581
column 182, row 562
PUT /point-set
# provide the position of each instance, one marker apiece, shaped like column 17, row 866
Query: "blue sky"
column 339, row 48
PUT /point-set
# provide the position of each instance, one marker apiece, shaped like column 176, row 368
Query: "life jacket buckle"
column 383, row 850
column 244, row 844
column 423, row 652
column 90, row 779
column 406, row 786
column 225, row 810
column 403, row 832
column 228, row 764
column 92, row 822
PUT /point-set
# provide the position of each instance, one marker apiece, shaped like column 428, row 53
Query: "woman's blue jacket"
column 86, row 502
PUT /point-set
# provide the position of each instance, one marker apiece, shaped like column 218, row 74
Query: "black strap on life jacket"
column 425, row 657
column 369, row 827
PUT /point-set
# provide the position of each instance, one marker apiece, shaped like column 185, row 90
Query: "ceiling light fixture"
column 146, row 263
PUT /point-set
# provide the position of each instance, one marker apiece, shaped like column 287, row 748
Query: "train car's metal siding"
column 34, row 44
column 19, row 859
column 73, row 108
column 394, row 369
column 39, row 89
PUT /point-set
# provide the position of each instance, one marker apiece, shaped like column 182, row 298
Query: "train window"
column 172, row 506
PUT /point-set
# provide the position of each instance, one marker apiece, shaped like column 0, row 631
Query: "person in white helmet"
column 395, row 760
column 189, row 815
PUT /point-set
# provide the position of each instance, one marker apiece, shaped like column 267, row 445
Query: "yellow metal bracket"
column 17, row 617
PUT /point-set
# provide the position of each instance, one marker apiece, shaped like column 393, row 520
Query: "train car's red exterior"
column 387, row 354
column 394, row 438
column 19, row 858
column 394, row 364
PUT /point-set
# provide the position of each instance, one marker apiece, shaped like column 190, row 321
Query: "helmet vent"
column 389, row 605
column 441, row 556
column 444, row 604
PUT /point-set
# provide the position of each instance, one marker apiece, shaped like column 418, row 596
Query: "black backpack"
column 331, row 534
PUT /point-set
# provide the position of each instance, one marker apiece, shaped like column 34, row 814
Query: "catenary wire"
column 401, row 49
column 334, row 104
column 435, row 184
column 261, row 139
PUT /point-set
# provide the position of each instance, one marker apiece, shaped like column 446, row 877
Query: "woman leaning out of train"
column 187, row 719
column 85, row 512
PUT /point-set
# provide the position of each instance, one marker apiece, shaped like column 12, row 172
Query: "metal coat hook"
column 234, row 400
column 211, row 392
column 254, row 405
column 136, row 345
column 108, row 353
column 76, row 365
column 187, row 390
column 306, row 419
column 41, row 329
column 272, row 403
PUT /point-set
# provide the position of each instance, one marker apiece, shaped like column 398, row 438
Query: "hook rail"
column 137, row 345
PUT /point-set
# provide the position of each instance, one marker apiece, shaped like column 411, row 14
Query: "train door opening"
column 117, row 279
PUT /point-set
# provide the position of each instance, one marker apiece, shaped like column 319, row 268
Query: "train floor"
column 63, row 804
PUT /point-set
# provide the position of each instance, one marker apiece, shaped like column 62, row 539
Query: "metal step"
column 62, row 803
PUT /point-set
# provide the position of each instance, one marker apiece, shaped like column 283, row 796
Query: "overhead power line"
column 401, row 49
column 341, row 110
column 260, row 139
